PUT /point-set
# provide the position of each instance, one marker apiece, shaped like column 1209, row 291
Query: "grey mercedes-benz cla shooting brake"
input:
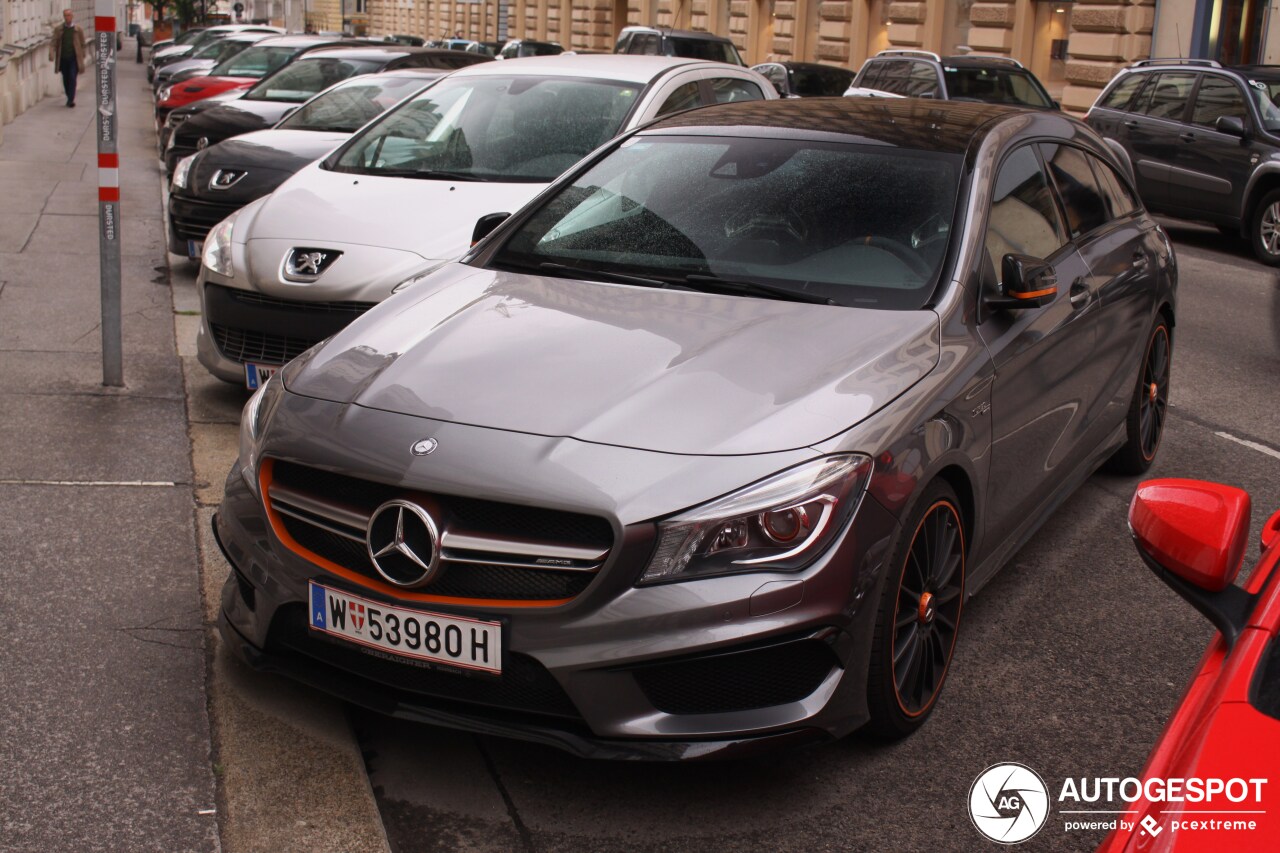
column 703, row 450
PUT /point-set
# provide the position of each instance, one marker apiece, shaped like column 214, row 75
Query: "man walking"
column 67, row 52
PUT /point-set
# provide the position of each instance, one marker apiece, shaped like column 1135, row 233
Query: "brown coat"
column 55, row 46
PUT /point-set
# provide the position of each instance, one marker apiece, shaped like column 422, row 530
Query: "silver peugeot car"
column 703, row 450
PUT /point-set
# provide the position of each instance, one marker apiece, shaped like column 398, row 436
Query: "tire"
column 1264, row 231
column 918, row 618
column 1148, row 410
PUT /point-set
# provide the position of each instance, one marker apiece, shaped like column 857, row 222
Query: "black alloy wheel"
column 919, row 617
column 1149, row 409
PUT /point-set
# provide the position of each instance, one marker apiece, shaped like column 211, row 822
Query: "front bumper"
column 591, row 665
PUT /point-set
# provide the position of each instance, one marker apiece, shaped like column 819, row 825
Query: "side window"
column 728, row 90
column 1077, row 187
column 621, row 47
column 1217, row 97
column 1166, row 96
column 1118, row 97
column 646, row 45
column 1120, row 201
column 1024, row 218
column 871, row 75
column 682, row 98
column 894, row 77
column 922, row 80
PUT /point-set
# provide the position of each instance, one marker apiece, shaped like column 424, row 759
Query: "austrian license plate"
column 453, row 640
column 256, row 375
column 194, row 247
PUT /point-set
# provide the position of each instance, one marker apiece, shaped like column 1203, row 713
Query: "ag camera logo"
column 1008, row 803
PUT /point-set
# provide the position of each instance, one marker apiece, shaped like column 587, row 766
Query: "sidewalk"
column 104, row 735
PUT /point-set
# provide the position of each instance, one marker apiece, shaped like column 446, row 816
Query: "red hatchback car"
column 1225, row 735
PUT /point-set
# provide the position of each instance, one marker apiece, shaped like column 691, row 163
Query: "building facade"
column 1074, row 47
column 26, row 74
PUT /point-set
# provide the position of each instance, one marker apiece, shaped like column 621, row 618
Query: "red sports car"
column 1213, row 780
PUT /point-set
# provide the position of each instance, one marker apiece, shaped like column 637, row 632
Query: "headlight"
column 217, row 248
column 253, row 421
column 778, row 524
column 418, row 276
column 164, row 93
column 182, row 171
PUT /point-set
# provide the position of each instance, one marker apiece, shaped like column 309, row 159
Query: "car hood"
column 668, row 371
column 434, row 219
column 289, row 150
column 233, row 118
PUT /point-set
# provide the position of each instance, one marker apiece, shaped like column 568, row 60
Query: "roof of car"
column 375, row 51
column 820, row 66
column 303, row 40
column 977, row 60
column 680, row 34
column 249, row 36
column 628, row 68
column 944, row 126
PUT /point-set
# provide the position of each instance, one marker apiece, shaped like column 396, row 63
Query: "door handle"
column 1187, row 137
column 1130, row 124
column 1079, row 294
column 1140, row 261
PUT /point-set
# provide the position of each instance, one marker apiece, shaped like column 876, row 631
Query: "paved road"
column 1070, row 662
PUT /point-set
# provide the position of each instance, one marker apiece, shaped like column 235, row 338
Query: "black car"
column 1203, row 142
column 806, row 79
column 212, row 184
column 268, row 101
column 516, row 48
column 664, row 41
column 921, row 74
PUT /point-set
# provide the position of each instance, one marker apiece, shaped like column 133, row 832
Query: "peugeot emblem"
column 403, row 543
column 424, row 447
column 224, row 179
column 307, row 264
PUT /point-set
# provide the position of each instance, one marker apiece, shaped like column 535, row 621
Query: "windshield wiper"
column 620, row 277
column 587, row 274
column 755, row 288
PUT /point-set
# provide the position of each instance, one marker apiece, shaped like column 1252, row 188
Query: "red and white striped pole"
column 104, row 25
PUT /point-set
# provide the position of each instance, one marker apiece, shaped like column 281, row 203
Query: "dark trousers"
column 69, row 70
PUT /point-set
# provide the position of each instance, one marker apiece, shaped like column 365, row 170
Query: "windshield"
column 189, row 36
column 304, row 78
column 221, row 50
column 257, row 61
column 995, row 86
column 716, row 51
column 519, row 129
column 854, row 224
column 811, row 82
column 351, row 105
column 1265, row 95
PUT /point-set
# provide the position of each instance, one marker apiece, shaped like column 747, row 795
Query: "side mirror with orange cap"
column 1193, row 535
column 1026, row 282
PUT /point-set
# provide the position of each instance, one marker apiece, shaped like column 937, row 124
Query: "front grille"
column 463, row 580
column 245, row 345
column 249, row 297
column 193, row 219
column 524, row 685
column 738, row 681
column 490, row 550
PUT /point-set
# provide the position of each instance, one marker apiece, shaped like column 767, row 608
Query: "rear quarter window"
column 1118, row 97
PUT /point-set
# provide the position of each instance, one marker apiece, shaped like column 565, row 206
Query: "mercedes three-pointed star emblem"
column 403, row 543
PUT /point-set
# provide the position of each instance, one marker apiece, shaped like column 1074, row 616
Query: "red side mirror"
column 1196, row 530
column 1271, row 532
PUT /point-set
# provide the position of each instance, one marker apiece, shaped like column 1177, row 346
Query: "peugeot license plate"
column 256, row 375
column 453, row 640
